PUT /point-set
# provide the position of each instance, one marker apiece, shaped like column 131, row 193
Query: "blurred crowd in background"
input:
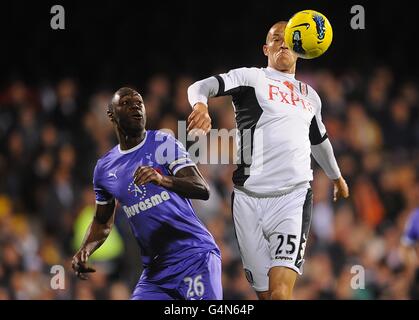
column 51, row 136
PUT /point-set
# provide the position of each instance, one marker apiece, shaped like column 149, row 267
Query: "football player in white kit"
column 279, row 124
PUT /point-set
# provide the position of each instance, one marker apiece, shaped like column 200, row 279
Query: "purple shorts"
column 195, row 278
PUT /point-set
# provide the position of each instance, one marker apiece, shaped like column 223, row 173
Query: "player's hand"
column 199, row 119
column 340, row 189
column 79, row 264
column 145, row 175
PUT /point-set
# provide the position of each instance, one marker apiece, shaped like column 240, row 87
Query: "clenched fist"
column 199, row 119
column 79, row 264
column 145, row 175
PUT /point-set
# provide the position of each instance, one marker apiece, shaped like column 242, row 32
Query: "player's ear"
column 265, row 49
column 110, row 112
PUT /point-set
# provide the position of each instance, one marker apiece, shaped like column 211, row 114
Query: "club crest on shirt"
column 137, row 191
column 303, row 89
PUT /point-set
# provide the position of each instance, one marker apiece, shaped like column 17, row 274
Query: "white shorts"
column 271, row 232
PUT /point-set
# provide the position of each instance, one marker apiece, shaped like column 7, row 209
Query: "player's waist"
column 177, row 256
column 271, row 193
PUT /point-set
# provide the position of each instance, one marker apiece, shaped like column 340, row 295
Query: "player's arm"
column 322, row 151
column 219, row 85
column 96, row 235
column 198, row 94
column 187, row 182
column 323, row 154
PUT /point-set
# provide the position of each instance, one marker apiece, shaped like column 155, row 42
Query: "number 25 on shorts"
column 286, row 243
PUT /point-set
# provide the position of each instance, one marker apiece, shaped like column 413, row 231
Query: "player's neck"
column 127, row 142
column 290, row 70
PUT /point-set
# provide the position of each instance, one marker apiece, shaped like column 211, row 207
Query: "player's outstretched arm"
column 225, row 84
column 188, row 182
column 95, row 236
column 323, row 154
column 198, row 94
column 322, row 151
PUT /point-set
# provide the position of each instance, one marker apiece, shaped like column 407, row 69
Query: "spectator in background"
column 399, row 133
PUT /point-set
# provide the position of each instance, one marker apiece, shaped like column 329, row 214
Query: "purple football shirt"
column 164, row 223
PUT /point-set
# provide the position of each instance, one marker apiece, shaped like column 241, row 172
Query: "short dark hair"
column 125, row 91
column 279, row 22
column 121, row 92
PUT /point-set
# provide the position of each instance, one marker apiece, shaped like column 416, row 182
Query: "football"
column 309, row 34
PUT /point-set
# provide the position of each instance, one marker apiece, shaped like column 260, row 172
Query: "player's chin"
column 285, row 60
column 137, row 124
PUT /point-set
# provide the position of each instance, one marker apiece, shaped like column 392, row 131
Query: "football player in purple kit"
column 152, row 177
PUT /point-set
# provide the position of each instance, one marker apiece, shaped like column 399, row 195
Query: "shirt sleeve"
column 317, row 129
column 323, row 154
column 221, row 85
column 201, row 90
column 321, row 148
column 102, row 196
column 231, row 82
column 173, row 155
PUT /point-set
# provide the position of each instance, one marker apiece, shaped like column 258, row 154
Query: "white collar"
column 274, row 72
column 138, row 146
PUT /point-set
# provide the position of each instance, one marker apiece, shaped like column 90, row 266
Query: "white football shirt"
column 278, row 119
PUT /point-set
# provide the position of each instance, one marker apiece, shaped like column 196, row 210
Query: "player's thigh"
column 202, row 280
column 253, row 245
column 150, row 291
column 287, row 229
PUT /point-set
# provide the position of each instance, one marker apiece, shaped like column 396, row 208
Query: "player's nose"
column 136, row 106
